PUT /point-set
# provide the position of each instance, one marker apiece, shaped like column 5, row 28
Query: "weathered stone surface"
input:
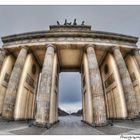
column 83, row 106
column 43, row 96
column 11, row 93
column 25, row 99
column 54, row 93
column 69, row 34
column 113, row 90
column 99, row 113
column 134, row 72
column 70, row 28
column 87, row 94
column 5, row 73
column 127, row 84
column 2, row 56
column 137, row 57
column 70, row 42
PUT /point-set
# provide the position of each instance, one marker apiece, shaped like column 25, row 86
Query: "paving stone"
column 70, row 125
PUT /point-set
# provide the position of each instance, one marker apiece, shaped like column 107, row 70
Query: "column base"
column 7, row 119
column 132, row 118
column 23, row 119
column 121, row 118
column 47, row 125
column 94, row 125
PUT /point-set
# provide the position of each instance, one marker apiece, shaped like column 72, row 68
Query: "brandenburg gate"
column 30, row 64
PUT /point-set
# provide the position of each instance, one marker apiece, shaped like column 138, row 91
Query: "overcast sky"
column 119, row 19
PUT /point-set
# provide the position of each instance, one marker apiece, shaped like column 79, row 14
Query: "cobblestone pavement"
column 70, row 125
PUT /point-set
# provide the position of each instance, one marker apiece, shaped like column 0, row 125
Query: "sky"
column 70, row 95
column 118, row 19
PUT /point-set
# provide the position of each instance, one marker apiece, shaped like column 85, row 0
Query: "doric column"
column 2, row 56
column 53, row 97
column 99, row 112
column 127, row 84
column 83, row 106
column 87, row 93
column 56, row 107
column 10, row 98
column 5, row 73
column 137, row 56
column 43, row 96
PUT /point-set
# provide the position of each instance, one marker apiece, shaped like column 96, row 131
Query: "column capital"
column 50, row 49
column 24, row 47
column 51, row 46
column 4, row 51
column 112, row 48
column 115, row 48
column 90, row 47
column 135, row 52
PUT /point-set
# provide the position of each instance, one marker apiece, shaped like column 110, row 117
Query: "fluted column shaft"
column 137, row 57
column 11, row 93
column 2, row 56
column 99, row 112
column 87, row 93
column 53, row 97
column 43, row 96
column 127, row 84
column 83, row 106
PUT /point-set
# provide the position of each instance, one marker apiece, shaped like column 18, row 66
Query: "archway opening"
column 70, row 95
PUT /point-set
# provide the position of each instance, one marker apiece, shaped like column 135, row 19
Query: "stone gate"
column 30, row 64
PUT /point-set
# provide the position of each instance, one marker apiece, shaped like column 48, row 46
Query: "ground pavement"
column 70, row 125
